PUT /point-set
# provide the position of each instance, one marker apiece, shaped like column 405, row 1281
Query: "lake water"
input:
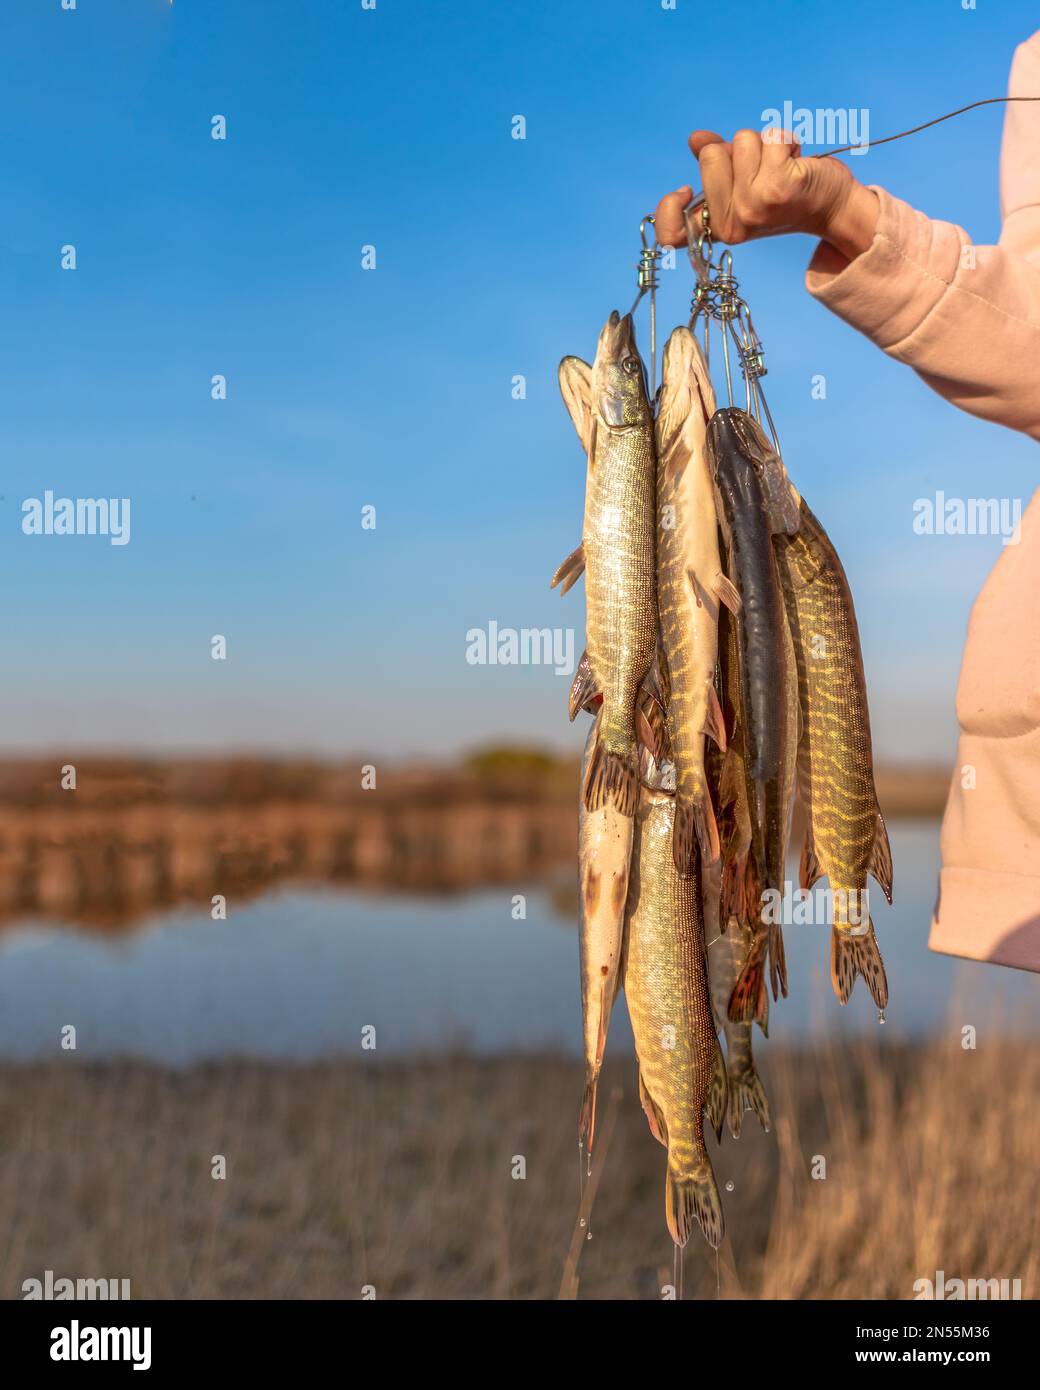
column 300, row 974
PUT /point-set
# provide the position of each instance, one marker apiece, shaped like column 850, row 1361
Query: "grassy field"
column 399, row 1176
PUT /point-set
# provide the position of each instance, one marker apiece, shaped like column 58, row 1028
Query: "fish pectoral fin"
column 583, row 688
column 654, row 1117
column 575, row 377
column 715, row 724
column 777, row 961
column 650, row 725
column 727, row 593
column 809, row 868
column 749, row 998
column 676, row 455
column 570, row 571
column 881, row 857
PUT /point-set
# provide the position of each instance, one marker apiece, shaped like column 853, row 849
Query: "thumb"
column 669, row 223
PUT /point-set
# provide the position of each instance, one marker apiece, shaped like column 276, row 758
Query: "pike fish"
column 727, row 951
column 690, row 587
column 617, row 550
column 845, row 834
column 681, row 1071
column 762, row 658
column 604, row 853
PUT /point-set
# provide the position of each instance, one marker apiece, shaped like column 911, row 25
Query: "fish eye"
column 631, row 365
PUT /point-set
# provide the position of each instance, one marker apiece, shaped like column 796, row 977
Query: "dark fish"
column 735, row 447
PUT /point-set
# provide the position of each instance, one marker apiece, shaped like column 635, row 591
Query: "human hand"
column 757, row 186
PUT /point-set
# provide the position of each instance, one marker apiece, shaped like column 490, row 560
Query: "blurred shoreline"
column 137, row 835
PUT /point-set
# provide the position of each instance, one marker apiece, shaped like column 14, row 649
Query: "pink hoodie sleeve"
column 965, row 317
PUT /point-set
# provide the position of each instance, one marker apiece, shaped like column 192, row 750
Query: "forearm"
column 966, row 318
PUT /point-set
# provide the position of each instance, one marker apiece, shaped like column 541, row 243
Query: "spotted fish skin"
column 688, row 575
column 666, row 988
column 618, row 544
column 845, row 832
column 604, row 852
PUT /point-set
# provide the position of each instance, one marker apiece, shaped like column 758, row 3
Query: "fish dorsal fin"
column 575, row 378
column 881, row 857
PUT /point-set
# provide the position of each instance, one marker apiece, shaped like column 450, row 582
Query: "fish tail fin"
column 718, row 1093
column 611, row 777
column 749, row 999
column 853, row 955
column 694, row 1199
column 694, row 828
column 746, row 1092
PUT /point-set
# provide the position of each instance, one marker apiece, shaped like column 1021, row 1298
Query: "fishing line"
column 972, row 105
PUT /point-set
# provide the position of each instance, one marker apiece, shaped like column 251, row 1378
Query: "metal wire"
column 717, row 299
column 647, row 268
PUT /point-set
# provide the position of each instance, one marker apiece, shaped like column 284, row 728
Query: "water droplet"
column 730, row 1185
column 589, row 1236
column 768, row 1130
column 880, row 1015
column 583, row 1223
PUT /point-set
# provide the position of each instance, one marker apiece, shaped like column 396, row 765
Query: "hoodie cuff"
column 890, row 288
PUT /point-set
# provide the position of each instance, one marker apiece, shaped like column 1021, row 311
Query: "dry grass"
column 399, row 1176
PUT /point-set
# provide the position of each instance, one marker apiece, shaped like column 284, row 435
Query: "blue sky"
column 392, row 387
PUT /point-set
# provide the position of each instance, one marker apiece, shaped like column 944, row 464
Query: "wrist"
column 852, row 222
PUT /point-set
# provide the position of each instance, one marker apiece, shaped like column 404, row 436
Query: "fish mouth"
column 617, row 338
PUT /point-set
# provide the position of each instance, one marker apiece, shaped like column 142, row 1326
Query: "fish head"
column 732, row 470
column 782, row 502
column 619, row 392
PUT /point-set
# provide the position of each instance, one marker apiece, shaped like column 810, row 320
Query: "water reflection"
column 300, row 973
column 128, row 842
